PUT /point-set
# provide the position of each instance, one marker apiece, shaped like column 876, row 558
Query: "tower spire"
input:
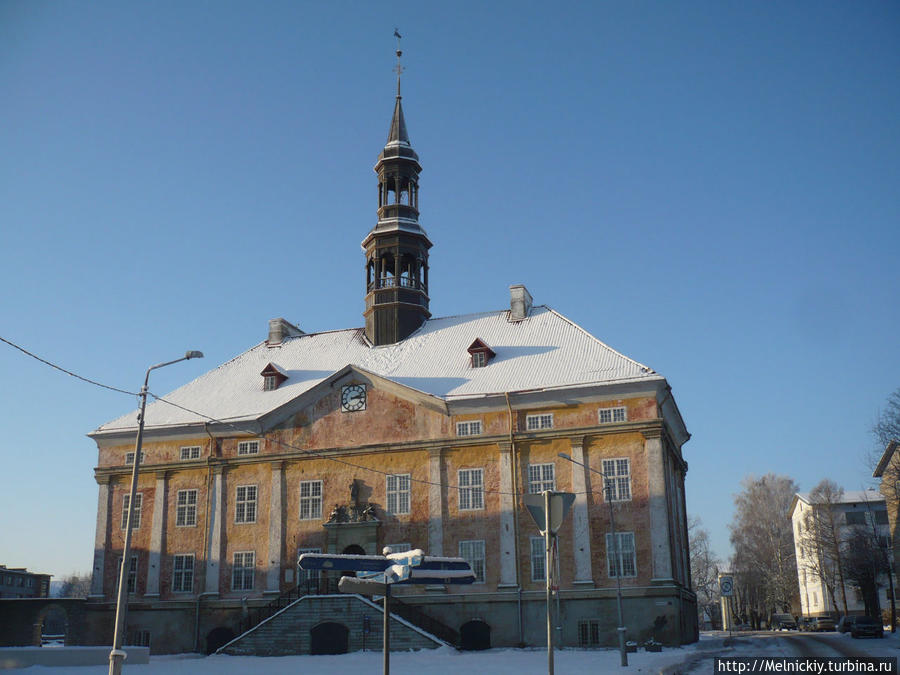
column 397, row 247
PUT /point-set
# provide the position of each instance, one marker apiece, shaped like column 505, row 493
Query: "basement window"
column 480, row 353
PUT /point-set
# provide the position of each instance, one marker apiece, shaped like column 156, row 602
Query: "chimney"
column 279, row 329
column 519, row 302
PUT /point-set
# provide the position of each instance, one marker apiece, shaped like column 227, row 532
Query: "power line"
column 67, row 372
column 323, row 455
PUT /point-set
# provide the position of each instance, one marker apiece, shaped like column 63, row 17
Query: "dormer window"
column 480, row 353
column 273, row 376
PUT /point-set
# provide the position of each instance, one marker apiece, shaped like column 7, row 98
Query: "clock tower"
column 397, row 247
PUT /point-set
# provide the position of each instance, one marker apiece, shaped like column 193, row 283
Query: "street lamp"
column 117, row 656
column 612, row 521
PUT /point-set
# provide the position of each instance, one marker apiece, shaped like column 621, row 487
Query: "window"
column 536, row 422
column 186, row 508
column 248, row 447
column 245, row 504
column 307, row 578
column 479, row 359
column 856, row 517
column 136, row 516
column 538, row 559
column 131, row 584
column 138, row 638
column 472, row 428
column 617, row 483
column 310, row 499
column 129, row 457
column 270, row 383
column 620, row 555
column 589, row 633
column 541, row 477
column 881, row 517
column 398, row 494
column 190, row 452
column 471, row 489
column 183, row 573
column 610, row 415
column 473, row 553
column 242, row 571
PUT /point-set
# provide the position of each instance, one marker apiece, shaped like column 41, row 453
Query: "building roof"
column 848, row 497
column 544, row 351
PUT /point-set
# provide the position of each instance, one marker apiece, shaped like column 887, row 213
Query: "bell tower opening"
column 397, row 247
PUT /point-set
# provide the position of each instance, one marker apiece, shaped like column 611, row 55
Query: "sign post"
column 549, row 510
column 726, row 591
column 376, row 574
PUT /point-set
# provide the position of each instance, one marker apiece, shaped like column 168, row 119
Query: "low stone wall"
column 24, row 657
column 288, row 632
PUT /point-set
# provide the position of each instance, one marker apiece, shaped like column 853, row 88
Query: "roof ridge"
column 600, row 342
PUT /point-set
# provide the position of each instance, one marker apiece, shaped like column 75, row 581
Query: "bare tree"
column 764, row 563
column 821, row 539
column 704, row 568
column 75, row 586
column 887, row 427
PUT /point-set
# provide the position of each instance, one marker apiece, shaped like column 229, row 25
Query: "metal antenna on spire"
column 398, row 68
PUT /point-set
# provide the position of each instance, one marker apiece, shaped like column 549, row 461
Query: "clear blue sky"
column 709, row 187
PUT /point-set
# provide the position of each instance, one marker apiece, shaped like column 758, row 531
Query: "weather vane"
column 398, row 68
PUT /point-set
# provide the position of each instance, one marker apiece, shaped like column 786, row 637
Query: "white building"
column 816, row 570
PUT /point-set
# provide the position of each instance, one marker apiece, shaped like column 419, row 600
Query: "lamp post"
column 117, row 656
column 612, row 521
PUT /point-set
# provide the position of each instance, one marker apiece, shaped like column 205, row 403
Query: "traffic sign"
column 726, row 585
column 560, row 503
column 349, row 563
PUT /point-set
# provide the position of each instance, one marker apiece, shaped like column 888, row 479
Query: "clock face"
column 353, row 397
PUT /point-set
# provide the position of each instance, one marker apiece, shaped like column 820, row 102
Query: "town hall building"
column 411, row 431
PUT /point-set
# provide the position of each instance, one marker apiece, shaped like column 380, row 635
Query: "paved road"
column 787, row 643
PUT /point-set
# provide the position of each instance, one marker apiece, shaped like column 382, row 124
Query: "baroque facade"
column 411, row 431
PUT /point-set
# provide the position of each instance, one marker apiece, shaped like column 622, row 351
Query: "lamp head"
column 564, row 456
column 194, row 355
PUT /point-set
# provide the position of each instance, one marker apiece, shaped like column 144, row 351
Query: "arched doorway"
column 352, row 549
column 218, row 637
column 52, row 626
column 475, row 635
column 329, row 638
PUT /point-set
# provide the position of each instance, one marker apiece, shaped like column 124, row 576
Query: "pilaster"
column 658, row 502
column 435, row 503
column 100, row 536
column 581, row 527
column 214, row 552
column 156, row 535
column 276, row 519
column 507, row 518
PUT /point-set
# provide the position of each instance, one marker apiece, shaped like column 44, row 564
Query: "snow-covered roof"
column 851, row 497
column 544, row 351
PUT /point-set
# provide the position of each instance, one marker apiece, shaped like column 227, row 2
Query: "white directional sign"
column 726, row 585
column 560, row 503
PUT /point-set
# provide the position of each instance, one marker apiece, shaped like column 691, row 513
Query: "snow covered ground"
column 492, row 662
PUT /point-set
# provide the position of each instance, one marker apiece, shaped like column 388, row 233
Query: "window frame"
column 479, row 359
column 186, row 513
column 478, row 569
column 242, row 503
column 131, row 581
column 394, row 496
column 539, row 554
column 190, row 453
column 246, row 571
column 468, row 428
column 589, row 633
column 308, row 575
column 621, row 553
column 542, row 481
column 617, row 415
column 139, row 505
column 616, row 483
column 129, row 457
column 311, row 499
column 470, row 494
column 184, row 575
column 538, row 421
column 245, row 448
